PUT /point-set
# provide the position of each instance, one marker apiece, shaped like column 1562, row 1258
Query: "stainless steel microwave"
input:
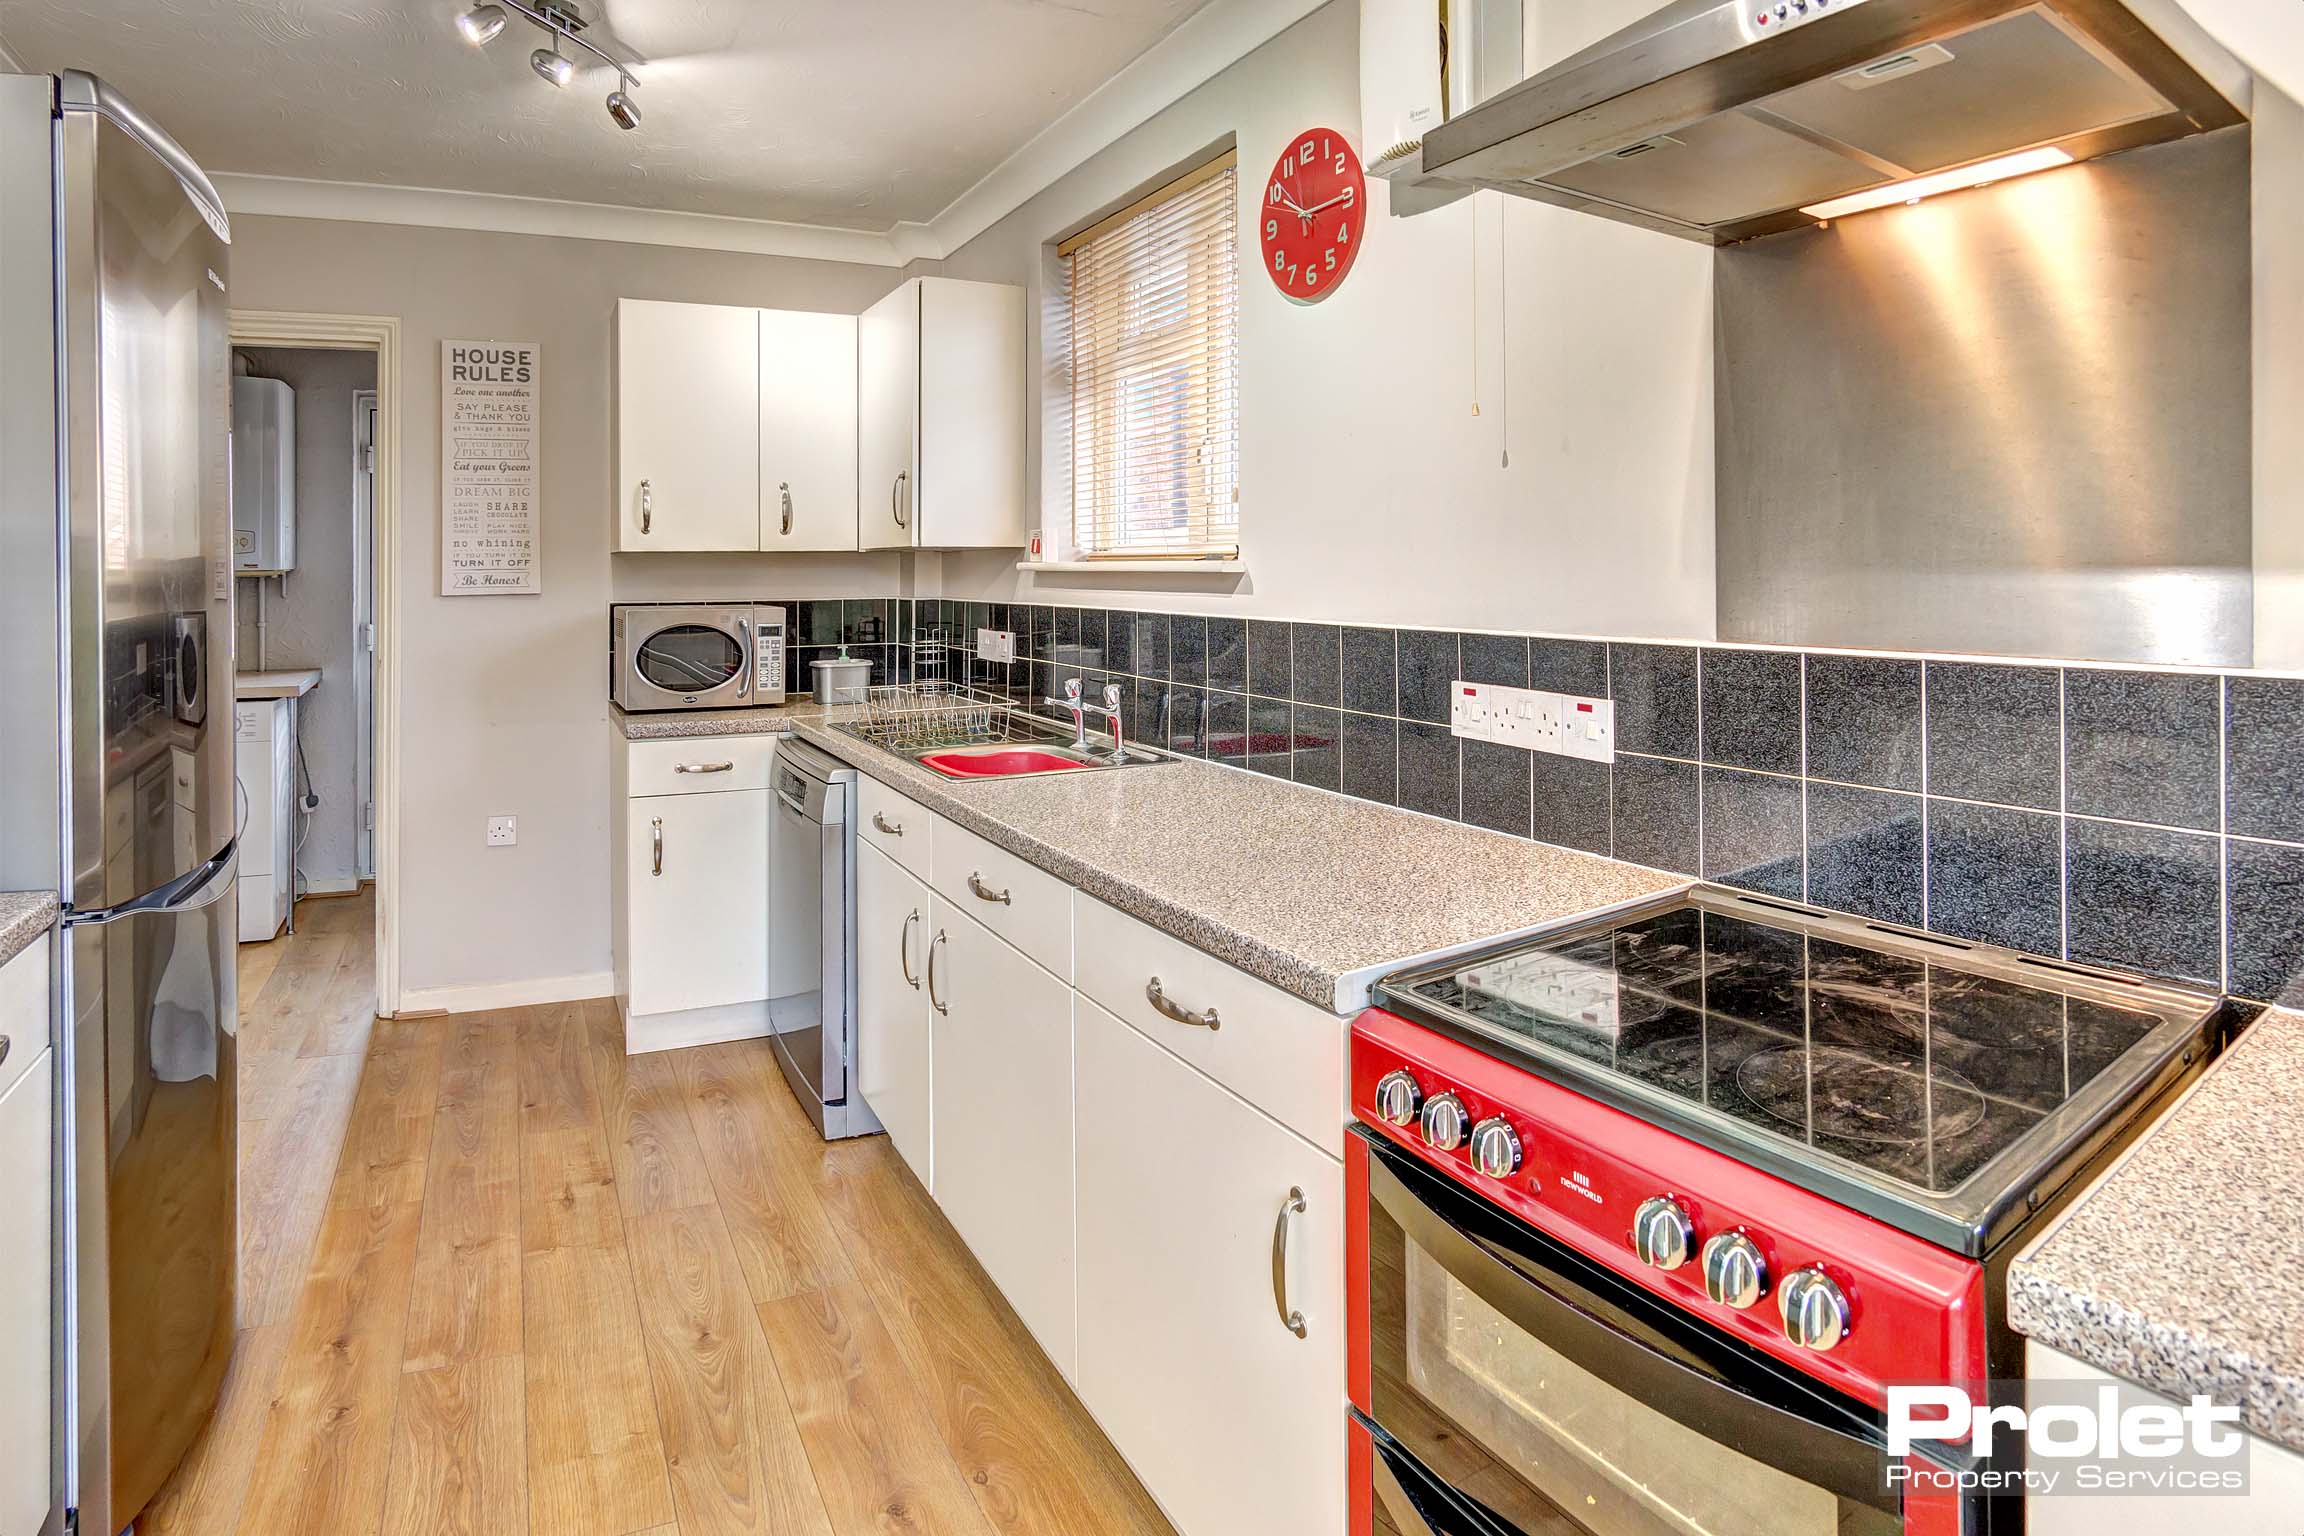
column 695, row 655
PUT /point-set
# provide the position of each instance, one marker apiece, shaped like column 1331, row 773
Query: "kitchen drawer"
column 698, row 765
column 24, row 1009
column 897, row 825
column 1017, row 900
column 1277, row 1051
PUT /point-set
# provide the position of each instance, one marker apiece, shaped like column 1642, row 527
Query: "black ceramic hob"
column 1944, row 1087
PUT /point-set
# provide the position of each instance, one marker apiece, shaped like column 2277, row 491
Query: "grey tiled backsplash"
column 2149, row 821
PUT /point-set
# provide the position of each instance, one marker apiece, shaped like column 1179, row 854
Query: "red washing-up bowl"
column 976, row 763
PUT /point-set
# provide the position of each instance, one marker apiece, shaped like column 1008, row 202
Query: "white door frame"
column 379, row 334
column 364, row 456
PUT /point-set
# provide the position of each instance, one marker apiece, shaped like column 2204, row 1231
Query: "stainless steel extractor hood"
column 1719, row 120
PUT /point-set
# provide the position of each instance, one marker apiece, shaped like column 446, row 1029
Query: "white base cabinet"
column 689, row 889
column 1235, row 1424
column 892, row 1056
column 1001, row 1117
column 27, row 1299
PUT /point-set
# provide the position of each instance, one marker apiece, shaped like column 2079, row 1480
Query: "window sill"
column 1138, row 567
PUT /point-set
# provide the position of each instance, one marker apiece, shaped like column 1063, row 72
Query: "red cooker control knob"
column 1444, row 1122
column 1662, row 1234
column 1735, row 1273
column 1814, row 1307
column 1496, row 1147
column 1398, row 1098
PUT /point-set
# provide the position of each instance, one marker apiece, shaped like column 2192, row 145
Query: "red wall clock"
column 1313, row 215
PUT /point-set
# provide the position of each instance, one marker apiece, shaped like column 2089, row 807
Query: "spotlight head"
column 481, row 24
column 623, row 111
column 551, row 65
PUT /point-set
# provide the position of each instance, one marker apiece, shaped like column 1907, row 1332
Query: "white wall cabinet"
column 27, row 1299
column 892, row 1053
column 689, row 894
column 687, row 427
column 941, row 399
column 807, row 430
column 1001, row 1116
column 1235, row 1424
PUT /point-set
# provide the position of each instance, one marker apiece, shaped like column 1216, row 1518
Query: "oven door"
column 1517, row 1388
column 683, row 657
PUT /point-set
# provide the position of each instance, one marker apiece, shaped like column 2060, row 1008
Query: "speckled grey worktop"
column 1313, row 892
column 24, row 916
column 688, row 724
column 2184, row 1268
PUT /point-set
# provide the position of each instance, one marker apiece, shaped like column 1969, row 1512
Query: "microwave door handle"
column 745, row 660
column 1503, row 1261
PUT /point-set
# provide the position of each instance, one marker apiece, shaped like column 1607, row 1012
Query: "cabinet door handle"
column 934, row 945
column 983, row 892
column 892, row 828
column 1163, row 1005
column 904, row 947
column 656, row 838
column 1290, row 1208
column 899, row 503
column 4, row 1044
column 703, row 767
column 784, row 491
column 647, row 505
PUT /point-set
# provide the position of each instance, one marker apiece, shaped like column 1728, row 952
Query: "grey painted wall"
column 311, row 624
column 504, row 707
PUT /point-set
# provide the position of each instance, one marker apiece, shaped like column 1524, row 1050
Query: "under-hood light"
column 1914, row 188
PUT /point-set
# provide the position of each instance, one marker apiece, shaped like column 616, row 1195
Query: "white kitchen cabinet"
column 264, row 760
column 807, row 430
column 27, row 1298
column 687, row 426
column 940, row 407
column 689, row 889
column 1234, row 1423
column 892, row 1052
column 1001, row 1116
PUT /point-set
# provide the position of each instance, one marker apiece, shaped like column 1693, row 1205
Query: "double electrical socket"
column 995, row 645
column 1529, row 718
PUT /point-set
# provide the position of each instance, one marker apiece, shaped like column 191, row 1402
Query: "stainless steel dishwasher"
column 812, row 936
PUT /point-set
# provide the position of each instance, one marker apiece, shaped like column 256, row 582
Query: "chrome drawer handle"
column 785, row 491
column 904, row 947
column 647, row 505
column 934, row 945
column 656, row 837
column 1170, row 1010
column 983, row 892
column 1290, row 1318
column 702, row 767
column 892, row 828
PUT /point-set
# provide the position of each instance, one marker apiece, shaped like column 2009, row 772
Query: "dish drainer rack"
column 926, row 714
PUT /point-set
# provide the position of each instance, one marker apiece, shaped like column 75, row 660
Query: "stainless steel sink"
column 1033, row 748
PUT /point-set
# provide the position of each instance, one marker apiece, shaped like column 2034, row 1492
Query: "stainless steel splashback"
column 2013, row 421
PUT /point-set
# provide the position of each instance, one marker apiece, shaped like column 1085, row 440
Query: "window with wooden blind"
column 1151, row 305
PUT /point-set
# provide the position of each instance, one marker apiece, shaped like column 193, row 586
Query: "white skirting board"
column 507, row 994
column 645, row 1032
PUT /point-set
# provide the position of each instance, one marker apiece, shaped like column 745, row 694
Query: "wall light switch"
column 1588, row 729
column 503, row 831
column 1471, row 710
column 995, row 645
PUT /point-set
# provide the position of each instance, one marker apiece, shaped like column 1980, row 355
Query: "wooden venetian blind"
column 1151, row 296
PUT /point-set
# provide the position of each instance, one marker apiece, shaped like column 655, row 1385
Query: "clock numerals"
column 1311, row 202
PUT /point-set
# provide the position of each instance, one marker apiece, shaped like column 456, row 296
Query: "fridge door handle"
column 202, row 887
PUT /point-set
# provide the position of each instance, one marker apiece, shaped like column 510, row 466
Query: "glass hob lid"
column 1931, row 1083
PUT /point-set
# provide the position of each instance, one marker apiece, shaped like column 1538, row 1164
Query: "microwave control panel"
column 768, row 657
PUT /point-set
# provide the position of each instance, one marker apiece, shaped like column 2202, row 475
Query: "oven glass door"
column 697, row 659
column 1550, row 1396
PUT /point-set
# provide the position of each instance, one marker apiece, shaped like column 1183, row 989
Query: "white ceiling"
column 856, row 114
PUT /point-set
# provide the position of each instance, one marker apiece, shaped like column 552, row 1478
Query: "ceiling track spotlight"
column 564, row 21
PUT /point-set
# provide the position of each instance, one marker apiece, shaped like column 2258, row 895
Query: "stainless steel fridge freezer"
column 118, row 779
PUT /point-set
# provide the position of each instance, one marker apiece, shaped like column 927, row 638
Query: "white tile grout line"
column 2063, row 830
column 1804, row 866
column 1701, row 851
column 1926, row 893
column 2223, row 835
